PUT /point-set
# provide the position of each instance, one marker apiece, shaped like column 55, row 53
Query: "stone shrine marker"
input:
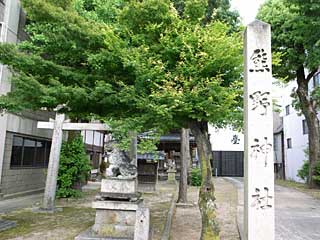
column 58, row 125
column 258, row 167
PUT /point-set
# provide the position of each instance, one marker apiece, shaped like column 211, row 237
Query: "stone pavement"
column 297, row 214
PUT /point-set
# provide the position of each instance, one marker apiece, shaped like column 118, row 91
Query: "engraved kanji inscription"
column 266, row 148
column 235, row 139
column 260, row 102
column 259, row 60
column 255, row 149
column 261, row 149
column 261, row 199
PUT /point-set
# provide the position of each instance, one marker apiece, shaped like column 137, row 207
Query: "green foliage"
column 138, row 62
column 74, row 168
column 142, row 63
column 121, row 133
column 303, row 173
column 194, row 10
column 296, row 34
column 296, row 39
column 196, row 177
column 148, row 145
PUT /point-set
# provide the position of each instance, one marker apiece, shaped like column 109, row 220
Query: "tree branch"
column 311, row 74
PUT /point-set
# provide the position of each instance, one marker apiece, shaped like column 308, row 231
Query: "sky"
column 247, row 9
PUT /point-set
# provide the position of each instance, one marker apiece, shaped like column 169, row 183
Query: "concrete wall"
column 20, row 181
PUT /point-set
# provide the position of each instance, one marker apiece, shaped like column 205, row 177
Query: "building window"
column 29, row 152
column 287, row 109
column 305, row 129
column 316, row 80
column 289, row 143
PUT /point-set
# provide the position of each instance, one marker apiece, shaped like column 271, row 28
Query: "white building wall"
column 292, row 125
column 226, row 139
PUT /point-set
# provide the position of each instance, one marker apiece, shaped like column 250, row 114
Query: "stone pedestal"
column 119, row 186
column 115, row 218
column 171, row 175
column 118, row 212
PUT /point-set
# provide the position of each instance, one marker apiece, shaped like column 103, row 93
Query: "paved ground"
column 297, row 214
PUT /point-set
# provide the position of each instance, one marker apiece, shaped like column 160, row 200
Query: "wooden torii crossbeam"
column 58, row 125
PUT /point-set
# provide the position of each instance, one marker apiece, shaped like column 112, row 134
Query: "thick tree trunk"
column 210, row 230
column 185, row 159
column 309, row 110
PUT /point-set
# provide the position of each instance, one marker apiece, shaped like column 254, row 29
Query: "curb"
column 240, row 217
column 167, row 228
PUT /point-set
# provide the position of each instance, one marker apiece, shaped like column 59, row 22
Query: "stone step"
column 5, row 224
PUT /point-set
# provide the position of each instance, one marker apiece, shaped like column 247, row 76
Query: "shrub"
column 73, row 169
column 303, row 173
column 196, row 177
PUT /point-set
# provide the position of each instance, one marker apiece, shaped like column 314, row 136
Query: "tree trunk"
column 210, row 230
column 309, row 110
column 185, row 159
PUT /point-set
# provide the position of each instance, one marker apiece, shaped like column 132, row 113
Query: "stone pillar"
column 133, row 148
column 259, row 176
column 185, row 161
column 142, row 226
column 52, row 174
column 133, row 152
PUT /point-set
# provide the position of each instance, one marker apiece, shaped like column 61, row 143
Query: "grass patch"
column 302, row 187
column 60, row 225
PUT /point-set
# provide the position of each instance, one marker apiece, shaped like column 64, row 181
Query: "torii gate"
column 58, row 125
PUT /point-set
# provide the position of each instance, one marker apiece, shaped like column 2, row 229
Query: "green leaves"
column 296, row 34
column 135, row 60
column 74, row 168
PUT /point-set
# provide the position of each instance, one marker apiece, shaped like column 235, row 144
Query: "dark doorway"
column 228, row 163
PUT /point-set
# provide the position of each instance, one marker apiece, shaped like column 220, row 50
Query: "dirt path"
column 186, row 222
column 226, row 201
